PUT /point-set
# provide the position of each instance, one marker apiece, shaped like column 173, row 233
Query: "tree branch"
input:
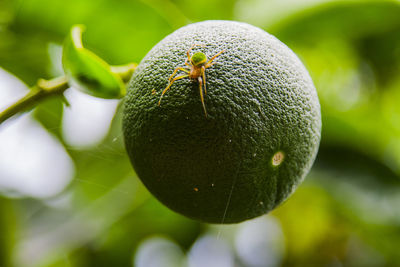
column 41, row 91
column 54, row 87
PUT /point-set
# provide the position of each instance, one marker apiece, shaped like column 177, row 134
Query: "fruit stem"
column 44, row 89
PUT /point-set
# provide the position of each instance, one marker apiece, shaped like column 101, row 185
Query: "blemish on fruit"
column 278, row 158
column 196, row 189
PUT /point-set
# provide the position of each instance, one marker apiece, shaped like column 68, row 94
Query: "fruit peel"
column 260, row 100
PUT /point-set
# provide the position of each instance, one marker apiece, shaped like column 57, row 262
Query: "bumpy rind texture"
column 260, row 100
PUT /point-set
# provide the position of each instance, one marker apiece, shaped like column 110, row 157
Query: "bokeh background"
column 69, row 196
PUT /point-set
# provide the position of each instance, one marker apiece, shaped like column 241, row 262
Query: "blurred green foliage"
column 347, row 212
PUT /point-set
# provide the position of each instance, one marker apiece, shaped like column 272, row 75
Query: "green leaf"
column 88, row 72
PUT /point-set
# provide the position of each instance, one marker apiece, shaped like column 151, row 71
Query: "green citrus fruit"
column 256, row 145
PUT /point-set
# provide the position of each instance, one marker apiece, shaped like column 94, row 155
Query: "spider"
column 197, row 64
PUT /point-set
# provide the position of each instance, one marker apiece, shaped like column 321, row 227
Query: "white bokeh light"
column 158, row 252
column 32, row 161
column 210, row 251
column 260, row 242
column 87, row 121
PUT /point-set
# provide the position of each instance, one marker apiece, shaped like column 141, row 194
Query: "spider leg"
column 201, row 94
column 209, row 63
column 169, row 85
column 203, row 74
column 188, row 54
column 188, row 64
column 175, row 71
